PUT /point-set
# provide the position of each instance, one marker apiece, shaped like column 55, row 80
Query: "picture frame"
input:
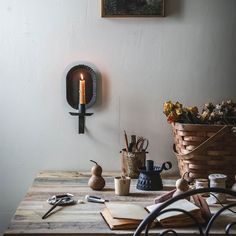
column 132, row 8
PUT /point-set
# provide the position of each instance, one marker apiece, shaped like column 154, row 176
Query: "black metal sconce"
column 81, row 91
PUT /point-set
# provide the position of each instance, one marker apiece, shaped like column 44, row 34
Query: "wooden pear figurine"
column 96, row 182
column 181, row 186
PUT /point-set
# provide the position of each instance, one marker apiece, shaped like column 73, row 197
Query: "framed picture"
column 132, row 8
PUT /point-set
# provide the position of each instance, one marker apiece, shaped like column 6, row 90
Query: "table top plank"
column 79, row 219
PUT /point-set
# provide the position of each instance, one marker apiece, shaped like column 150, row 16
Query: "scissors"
column 59, row 200
column 142, row 144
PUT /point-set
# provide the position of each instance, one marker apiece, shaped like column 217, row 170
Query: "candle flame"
column 82, row 76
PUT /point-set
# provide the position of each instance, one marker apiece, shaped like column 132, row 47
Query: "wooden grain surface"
column 79, row 219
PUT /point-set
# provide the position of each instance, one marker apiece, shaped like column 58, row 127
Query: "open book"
column 128, row 216
column 177, row 218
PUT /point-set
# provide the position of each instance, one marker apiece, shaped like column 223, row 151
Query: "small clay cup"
column 122, row 185
column 202, row 183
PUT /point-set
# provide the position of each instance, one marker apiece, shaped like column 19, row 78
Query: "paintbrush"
column 126, row 142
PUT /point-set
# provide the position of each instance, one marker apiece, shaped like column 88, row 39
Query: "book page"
column 126, row 210
column 180, row 204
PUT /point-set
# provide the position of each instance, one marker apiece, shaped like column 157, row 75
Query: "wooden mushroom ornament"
column 96, row 181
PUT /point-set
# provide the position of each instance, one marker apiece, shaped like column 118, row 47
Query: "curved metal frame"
column 145, row 224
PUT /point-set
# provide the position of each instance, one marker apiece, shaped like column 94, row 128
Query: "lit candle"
column 82, row 89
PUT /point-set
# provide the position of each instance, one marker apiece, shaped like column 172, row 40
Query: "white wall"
column 187, row 56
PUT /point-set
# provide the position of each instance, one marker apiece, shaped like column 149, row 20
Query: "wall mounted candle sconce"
column 81, row 91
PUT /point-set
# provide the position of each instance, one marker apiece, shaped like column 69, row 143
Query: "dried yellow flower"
column 193, row 110
column 179, row 111
column 168, row 107
column 178, row 105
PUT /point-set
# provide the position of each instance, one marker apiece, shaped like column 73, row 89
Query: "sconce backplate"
column 72, row 85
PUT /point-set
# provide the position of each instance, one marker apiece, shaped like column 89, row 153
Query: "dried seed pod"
column 181, row 185
column 96, row 181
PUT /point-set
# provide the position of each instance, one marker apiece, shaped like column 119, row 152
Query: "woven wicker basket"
column 205, row 149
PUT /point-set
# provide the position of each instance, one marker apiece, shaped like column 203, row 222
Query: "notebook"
column 123, row 215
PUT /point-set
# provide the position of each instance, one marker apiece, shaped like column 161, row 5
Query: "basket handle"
column 204, row 144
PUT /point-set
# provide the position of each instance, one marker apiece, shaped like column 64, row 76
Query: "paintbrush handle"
column 126, row 141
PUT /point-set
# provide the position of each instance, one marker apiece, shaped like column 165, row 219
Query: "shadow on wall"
column 173, row 8
column 102, row 91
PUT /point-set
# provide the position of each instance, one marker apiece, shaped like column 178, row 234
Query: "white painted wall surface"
column 187, row 56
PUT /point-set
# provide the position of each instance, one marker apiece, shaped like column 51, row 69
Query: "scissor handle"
column 66, row 199
column 140, row 144
column 166, row 165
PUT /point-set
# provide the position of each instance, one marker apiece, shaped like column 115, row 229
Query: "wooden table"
column 79, row 219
